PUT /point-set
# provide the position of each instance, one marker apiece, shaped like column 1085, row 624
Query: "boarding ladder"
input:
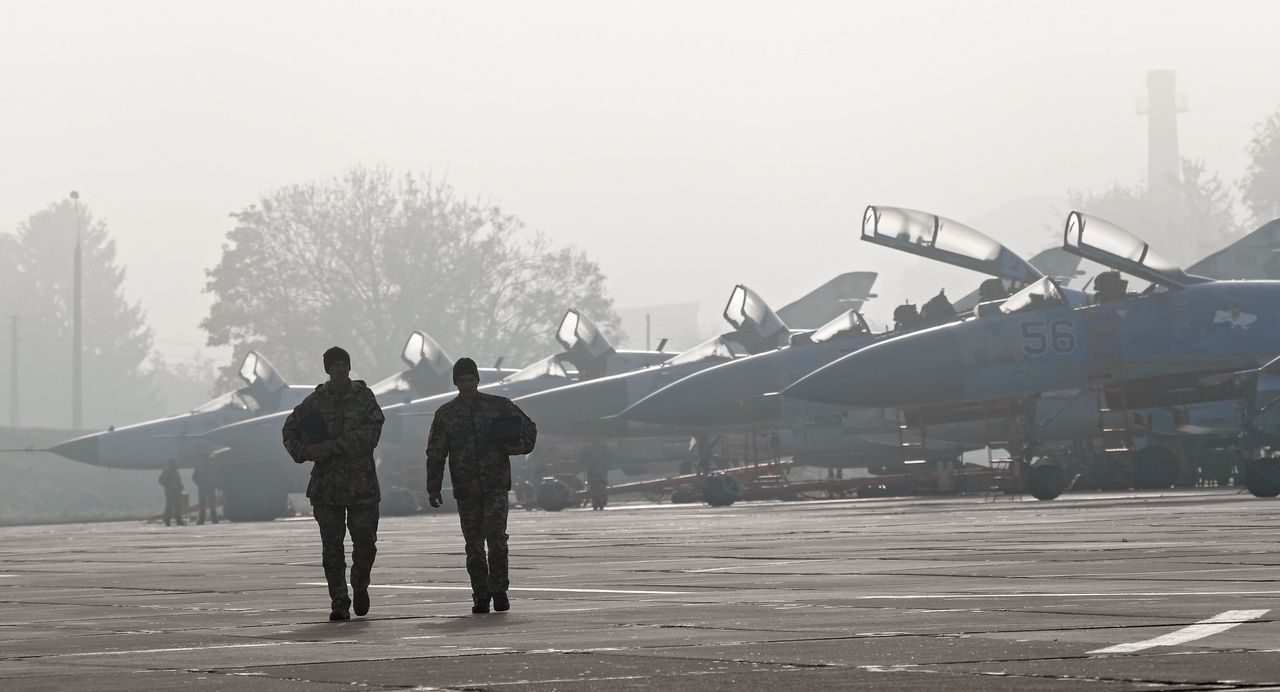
column 1006, row 468
column 1106, row 379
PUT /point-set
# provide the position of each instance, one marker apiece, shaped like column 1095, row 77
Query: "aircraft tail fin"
column 828, row 301
column 1057, row 264
column 1254, row 256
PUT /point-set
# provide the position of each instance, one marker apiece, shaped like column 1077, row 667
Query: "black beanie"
column 334, row 355
column 465, row 366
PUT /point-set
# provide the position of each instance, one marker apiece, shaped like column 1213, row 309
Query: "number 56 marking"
column 1039, row 337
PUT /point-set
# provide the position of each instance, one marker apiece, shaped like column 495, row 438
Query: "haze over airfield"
column 685, row 146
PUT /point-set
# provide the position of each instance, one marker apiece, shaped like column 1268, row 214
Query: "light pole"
column 76, row 346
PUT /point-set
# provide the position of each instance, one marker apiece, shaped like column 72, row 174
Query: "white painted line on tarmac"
column 749, row 566
column 182, row 648
column 1095, row 594
column 1214, row 625
column 468, row 588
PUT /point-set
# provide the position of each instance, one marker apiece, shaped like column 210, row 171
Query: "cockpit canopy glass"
column 256, row 370
column 231, row 400
column 849, row 324
column 551, row 366
column 930, row 230
column 718, row 348
column 577, row 331
column 1083, row 229
column 422, row 350
column 748, row 313
column 1040, row 294
column 936, row 237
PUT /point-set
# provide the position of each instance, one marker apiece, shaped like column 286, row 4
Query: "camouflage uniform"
column 205, row 477
column 596, row 458
column 481, row 472
column 172, row 484
column 344, row 489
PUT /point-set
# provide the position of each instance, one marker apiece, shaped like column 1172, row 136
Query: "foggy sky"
column 684, row 146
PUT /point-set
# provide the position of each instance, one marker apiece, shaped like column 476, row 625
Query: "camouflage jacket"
column 460, row 432
column 170, row 479
column 354, row 423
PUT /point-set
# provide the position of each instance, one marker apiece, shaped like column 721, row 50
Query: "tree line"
column 363, row 258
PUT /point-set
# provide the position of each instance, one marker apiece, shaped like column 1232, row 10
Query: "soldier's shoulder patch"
column 377, row 415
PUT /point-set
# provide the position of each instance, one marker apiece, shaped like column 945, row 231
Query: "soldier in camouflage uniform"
column 481, row 472
column 344, row 489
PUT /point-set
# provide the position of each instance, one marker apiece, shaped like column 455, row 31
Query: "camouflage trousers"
column 484, row 520
column 172, row 505
column 334, row 521
column 208, row 499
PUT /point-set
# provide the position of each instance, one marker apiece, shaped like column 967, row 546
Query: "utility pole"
column 647, row 324
column 77, row 349
column 14, row 416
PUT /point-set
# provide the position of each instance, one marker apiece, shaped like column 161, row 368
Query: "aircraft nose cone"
column 566, row 410
column 82, row 449
column 722, row 395
column 913, row 370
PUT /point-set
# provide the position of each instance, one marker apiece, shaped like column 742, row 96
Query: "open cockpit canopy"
column 551, row 366
column 849, row 324
column 423, row 351
column 578, row 332
column 1041, row 294
column 939, row 238
column 1111, row 246
column 755, row 324
column 717, row 348
column 258, row 373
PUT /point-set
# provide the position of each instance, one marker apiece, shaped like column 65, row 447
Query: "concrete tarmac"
column 1140, row 591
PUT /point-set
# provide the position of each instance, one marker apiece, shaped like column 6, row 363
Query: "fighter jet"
column 586, row 410
column 256, row 443
column 742, row 392
column 1133, row 350
column 152, row 444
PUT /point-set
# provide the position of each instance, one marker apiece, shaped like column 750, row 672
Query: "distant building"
column 675, row 322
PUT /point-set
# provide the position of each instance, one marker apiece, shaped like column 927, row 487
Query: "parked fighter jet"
column 743, row 391
column 152, row 444
column 247, row 492
column 256, row 443
column 1134, row 350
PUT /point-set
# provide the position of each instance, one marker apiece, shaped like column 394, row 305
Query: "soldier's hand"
column 515, row 449
column 435, row 499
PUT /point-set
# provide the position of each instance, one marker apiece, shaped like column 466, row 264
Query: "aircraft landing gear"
column 554, row 494
column 720, row 490
column 1262, row 476
column 1045, row 480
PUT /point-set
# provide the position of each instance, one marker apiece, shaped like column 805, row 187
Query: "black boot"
column 480, row 604
column 339, row 614
column 500, row 602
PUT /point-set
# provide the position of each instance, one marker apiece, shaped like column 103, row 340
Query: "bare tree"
column 1260, row 187
column 364, row 258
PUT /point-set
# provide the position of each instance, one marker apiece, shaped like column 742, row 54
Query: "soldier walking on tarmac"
column 337, row 426
column 205, row 476
column 595, row 456
column 172, row 484
column 477, row 433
